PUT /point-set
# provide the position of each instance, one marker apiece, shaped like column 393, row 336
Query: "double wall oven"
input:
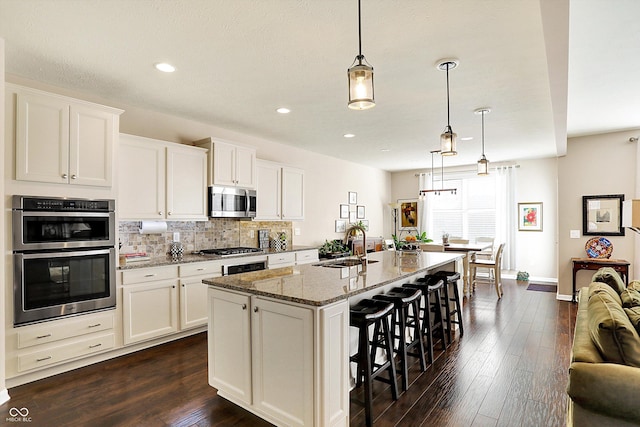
column 64, row 257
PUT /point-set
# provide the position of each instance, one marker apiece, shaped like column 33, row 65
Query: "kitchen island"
column 279, row 341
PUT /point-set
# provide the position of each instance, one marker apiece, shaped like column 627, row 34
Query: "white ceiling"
column 238, row 60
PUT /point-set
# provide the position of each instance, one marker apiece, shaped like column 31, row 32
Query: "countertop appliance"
column 239, row 264
column 226, row 252
column 64, row 257
column 232, row 202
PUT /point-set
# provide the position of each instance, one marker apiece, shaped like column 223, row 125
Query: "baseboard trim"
column 4, row 396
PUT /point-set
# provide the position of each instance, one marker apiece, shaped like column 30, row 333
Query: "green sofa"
column 604, row 375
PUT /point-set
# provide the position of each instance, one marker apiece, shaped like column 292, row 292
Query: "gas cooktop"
column 229, row 251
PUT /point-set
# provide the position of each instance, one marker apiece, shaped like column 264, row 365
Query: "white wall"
column 594, row 165
column 536, row 252
column 327, row 179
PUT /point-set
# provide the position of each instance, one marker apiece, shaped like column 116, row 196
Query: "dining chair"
column 488, row 253
column 494, row 265
column 432, row 247
column 456, row 240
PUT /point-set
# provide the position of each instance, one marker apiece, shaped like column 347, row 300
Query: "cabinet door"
column 150, row 310
column 91, row 146
column 282, row 360
column 245, row 167
column 292, row 193
column 141, row 179
column 229, row 342
column 224, row 164
column 268, row 186
column 186, row 183
column 42, row 138
column 193, row 303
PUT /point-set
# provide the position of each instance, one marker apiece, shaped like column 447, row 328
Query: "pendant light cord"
column 483, row 111
column 359, row 36
column 448, row 119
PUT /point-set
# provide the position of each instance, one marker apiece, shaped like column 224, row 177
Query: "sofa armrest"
column 606, row 388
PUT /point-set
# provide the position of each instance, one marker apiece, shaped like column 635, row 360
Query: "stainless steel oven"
column 64, row 257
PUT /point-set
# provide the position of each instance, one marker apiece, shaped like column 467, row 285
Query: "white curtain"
column 506, row 214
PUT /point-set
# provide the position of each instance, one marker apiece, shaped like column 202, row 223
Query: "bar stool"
column 455, row 315
column 431, row 296
column 403, row 299
column 362, row 315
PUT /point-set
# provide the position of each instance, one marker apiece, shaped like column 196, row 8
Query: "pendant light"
column 360, row 77
column 483, row 163
column 448, row 137
column 433, row 190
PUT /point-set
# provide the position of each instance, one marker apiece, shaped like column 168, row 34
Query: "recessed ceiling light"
column 283, row 110
column 348, row 135
column 385, row 150
column 164, row 67
column 466, row 138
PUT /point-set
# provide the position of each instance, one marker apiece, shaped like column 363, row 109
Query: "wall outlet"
column 252, row 234
column 296, row 231
column 176, row 236
column 574, row 234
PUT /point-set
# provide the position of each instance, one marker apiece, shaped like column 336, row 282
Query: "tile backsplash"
column 196, row 235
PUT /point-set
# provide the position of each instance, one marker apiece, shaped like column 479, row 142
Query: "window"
column 470, row 213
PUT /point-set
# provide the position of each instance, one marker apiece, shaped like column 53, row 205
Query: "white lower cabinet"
column 286, row 363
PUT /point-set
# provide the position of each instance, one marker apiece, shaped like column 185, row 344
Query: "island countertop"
column 317, row 285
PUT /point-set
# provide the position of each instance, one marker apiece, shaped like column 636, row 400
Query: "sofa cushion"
column 611, row 277
column 597, row 287
column 611, row 330
column 630, row 298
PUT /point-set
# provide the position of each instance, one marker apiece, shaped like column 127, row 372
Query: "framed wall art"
column 360, row 212
column 353, row 197
column 344, row 211
column 408, row 214
column 530, row 216
column 341, row 225
column 602, row 215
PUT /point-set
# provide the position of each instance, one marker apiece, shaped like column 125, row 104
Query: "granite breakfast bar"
column 279, row 341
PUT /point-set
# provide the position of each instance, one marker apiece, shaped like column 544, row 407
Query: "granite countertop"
column 189, row 258
column 315, row 285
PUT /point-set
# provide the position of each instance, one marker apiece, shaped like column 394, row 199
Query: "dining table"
column 469, row 249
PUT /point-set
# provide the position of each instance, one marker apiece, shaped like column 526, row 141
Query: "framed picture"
column 602, row 215
column 352, row 218
column 341, row 225
column 530, row 216
column 365, row 224
column 408, row 214
column 353, row 197
column 360, row 212
column 344, row 211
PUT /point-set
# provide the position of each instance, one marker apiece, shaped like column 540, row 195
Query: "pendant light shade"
column 483, row 163
column 448, row 137
column 360, row 75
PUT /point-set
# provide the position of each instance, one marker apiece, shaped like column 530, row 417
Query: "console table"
column 619, row 265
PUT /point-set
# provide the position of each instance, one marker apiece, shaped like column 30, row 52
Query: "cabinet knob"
column 159, row 212
column 74, row 176
column 255, row 309
column 173, row 286
column 244, row 306
column 169, row 213
column 65, row 176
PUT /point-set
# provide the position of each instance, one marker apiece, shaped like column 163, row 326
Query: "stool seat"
column 451, row 276
column 400, row 295
column 369, row 310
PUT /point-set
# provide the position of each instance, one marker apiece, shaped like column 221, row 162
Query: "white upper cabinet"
column 63, row 140
column 229, row 164
column 161, row 180
column 280, row 192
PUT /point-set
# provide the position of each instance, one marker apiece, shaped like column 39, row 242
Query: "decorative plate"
column 598, row 247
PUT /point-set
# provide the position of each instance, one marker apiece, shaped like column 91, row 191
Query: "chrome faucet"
column 351, row 230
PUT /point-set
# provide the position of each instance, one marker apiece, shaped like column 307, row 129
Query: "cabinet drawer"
column 213, row 268
column 44, row 333
column 282, row 258
column 65, row 352
column 149, row 274
column 303, row 257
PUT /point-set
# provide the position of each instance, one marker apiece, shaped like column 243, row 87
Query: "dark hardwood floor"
column 509, row 369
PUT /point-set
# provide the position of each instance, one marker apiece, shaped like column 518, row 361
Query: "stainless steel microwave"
column 232, row 202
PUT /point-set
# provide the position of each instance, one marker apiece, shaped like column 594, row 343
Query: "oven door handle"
column 64, row 254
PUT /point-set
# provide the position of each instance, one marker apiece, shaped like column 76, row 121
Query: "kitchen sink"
column 349, row 262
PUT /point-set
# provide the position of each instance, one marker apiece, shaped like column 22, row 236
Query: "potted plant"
column 333, row 249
